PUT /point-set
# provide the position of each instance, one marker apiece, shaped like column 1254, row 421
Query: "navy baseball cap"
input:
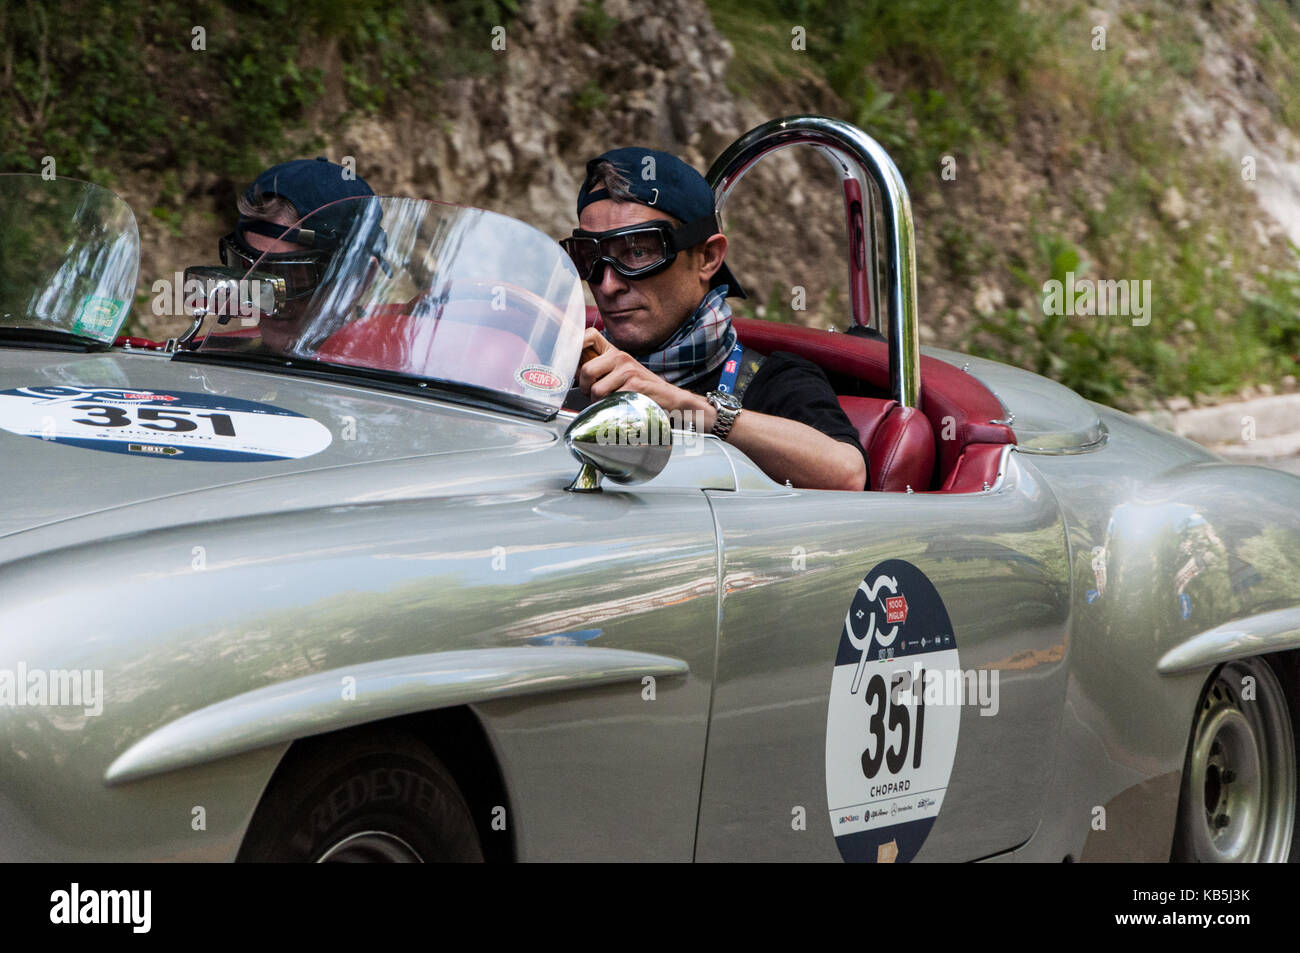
column 309, row 184
column 664, row 182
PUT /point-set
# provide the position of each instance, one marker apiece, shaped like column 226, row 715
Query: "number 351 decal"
column 889, row 745
column 171, row 425
column 171, row 419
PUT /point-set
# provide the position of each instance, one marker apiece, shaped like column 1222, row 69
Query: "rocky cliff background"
column 1124, row 140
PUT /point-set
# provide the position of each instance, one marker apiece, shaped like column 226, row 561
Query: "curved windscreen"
column 476, row 302
column 69, row 253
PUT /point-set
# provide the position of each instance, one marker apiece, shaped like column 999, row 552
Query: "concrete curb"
column 1248, row 429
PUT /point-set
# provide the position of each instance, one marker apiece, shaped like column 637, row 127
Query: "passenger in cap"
column 649, row 247
column 266, row 238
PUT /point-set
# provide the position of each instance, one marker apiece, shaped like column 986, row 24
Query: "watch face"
column 729, row 401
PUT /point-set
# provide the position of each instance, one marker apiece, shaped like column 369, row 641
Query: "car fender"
column 1187, row 564
column 344, row 697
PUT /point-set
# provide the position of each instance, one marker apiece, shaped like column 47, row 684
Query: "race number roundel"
column 891, row 726
column 164, row 425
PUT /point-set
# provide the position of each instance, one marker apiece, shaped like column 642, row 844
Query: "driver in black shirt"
column 649, row 248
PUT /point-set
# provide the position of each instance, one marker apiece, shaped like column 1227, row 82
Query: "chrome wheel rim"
column 1239, row 795
column 371, row 847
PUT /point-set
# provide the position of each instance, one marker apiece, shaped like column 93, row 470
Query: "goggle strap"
column 692, row 233
column 312, row 238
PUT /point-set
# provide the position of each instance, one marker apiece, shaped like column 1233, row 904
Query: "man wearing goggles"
column 265, row 236
column 636, row 252
column 649, row 248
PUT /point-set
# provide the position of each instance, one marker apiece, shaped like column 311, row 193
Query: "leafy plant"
column 591, row 98
column 594, row 24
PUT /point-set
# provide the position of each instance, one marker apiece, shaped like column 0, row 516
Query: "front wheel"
column 1238, row 801
column 362, row 797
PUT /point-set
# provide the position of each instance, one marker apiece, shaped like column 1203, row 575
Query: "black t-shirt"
column 790, row 386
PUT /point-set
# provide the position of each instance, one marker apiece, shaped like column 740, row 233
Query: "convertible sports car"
column 339, row 578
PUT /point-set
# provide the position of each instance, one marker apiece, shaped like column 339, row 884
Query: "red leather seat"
column 976, row 469
column 959, row 408
column 899, row 442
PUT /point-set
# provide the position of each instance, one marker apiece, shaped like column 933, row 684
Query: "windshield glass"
column 474, row 301
column 69, row 252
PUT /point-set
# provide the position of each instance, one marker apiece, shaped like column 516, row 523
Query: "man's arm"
column 789, row 450
column 784, row 449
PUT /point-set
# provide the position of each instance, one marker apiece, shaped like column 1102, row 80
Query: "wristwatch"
column 728, row 408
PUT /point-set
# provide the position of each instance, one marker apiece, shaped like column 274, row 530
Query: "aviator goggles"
column 301, row 270
column 634, row 251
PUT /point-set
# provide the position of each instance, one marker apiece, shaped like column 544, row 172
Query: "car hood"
column 72, row 468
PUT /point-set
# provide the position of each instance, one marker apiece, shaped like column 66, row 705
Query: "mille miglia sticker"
column 164, row 425
column 891, row 729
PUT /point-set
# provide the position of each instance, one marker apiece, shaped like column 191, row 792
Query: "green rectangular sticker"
column 97, row 317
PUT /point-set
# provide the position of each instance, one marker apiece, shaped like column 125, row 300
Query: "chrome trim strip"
column 1262, row 634
column 286, row 711
column 1003, row 459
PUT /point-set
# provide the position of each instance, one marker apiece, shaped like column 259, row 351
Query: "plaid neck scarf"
column 699, row 346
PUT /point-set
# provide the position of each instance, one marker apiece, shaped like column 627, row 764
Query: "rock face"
column 1232, row 114
column 517, row 140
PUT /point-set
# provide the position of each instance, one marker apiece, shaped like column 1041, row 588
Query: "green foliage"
column 133, row 93
column 965, row 254
column 1078, row 351
column 958, row 63
column 775, row 307
column 591, row 98
column 1204, row 335
column 1278, row 39
column 929, row 78
column 1275, row 310
column 594, row 24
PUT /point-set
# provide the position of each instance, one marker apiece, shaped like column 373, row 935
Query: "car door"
column 891, row 669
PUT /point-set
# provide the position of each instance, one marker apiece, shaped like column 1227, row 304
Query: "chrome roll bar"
column 861, row 163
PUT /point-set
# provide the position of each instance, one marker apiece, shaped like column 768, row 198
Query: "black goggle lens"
column 301, row 271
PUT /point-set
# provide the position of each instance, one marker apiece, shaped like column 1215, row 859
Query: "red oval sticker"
column 541, row 377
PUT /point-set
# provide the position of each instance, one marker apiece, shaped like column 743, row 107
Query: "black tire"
column 361, row 796
column 1238, row 801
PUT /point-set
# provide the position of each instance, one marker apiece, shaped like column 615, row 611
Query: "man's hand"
column 785, row 449
column 613, row 370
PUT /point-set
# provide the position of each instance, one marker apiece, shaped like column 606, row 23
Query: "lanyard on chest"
column 730, row 370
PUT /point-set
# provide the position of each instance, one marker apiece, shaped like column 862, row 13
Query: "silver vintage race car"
column 339, row 578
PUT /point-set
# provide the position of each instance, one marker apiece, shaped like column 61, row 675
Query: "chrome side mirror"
column 626, row 437
column 230, row 293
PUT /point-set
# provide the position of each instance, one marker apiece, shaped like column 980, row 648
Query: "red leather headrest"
column 898, row 440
